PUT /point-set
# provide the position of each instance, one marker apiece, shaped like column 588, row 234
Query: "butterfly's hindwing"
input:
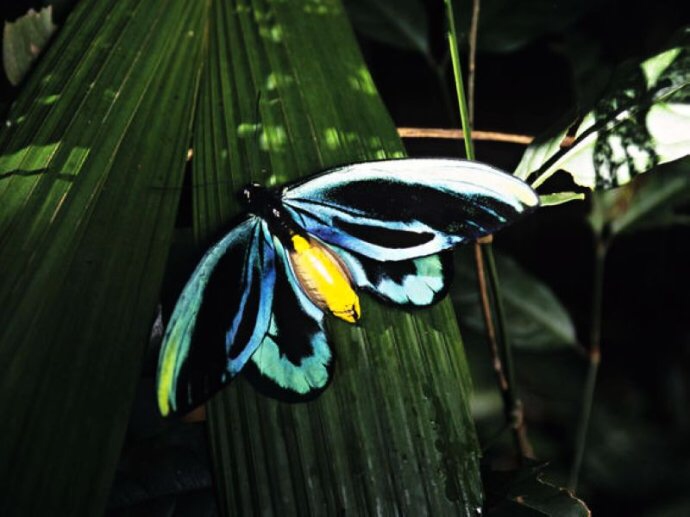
column 224, row 311
column 294, row 361
column 404, row 209
column 412, row 283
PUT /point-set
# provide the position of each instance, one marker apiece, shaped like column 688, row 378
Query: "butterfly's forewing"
column 395, row 210
column 294, row 361
column 224, row 312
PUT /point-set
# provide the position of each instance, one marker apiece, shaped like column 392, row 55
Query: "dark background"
column 638, row 455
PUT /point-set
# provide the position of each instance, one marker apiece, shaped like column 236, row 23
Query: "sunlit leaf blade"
column 643, row 121
column 524, row 492
column 539, row 152
column 392, row 434
column 535, row 318
column 91, row 160
column 23, row 40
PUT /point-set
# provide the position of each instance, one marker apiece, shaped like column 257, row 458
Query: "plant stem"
column 496, row 328
column 513, row 408
column 594, row 357
column 459, row 85
column 472, row 59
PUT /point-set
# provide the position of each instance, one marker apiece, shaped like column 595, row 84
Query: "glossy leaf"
column 654, row 201
column 536, row 320
column 169, row 466
column 91, row 169
column 643, row 121
column 508, row 25
column 399, row 399
column 91, row 160
column 524, row 492
column 23, row 40
column 540, row 151
column 399, row 23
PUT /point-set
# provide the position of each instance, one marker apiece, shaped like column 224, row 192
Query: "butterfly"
column 256, row 301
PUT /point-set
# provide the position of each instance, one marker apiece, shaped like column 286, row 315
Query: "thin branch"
column 496, row 362
column 496, row 332
column 594, row 356
column 472, row 58
column 457, row 134
column 514, row 410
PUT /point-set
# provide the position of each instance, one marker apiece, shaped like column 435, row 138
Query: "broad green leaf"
column 91, row 168
column 524, row 492
column 536, row 320
column 650, row 203
column 168, row 462
column 670, row 507
column 591, row 72
column 399, row 23
column 23, row 40
column 392, row 434
column 643, row 121
column 91, row 161
column 508, row 25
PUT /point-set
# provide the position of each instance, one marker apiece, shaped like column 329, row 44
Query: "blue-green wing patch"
column 220, row 318
column 411, row 283
column 294, row 361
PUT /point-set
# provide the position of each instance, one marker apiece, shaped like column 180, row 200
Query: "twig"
column 594, row 357
column 472, row 58
column 490, row 329
column 496, row 333
column 457, row 134
column 513, row 408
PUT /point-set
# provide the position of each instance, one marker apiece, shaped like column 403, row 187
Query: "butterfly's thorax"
column 320, row 273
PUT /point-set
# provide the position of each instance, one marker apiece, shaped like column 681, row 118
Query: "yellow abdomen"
column 324, row 279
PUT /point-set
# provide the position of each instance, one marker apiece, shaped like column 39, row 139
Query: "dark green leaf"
column 91, row 161
column 649, row 203
column 673, row 508
column 23, row 41
column 590, row 72
column 536, row 320
column 400, row 23
column 508, row 25
column 393, row 432
column 173, row 463
column 524, row 492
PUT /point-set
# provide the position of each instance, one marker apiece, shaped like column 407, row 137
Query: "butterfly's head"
column 252, row 194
